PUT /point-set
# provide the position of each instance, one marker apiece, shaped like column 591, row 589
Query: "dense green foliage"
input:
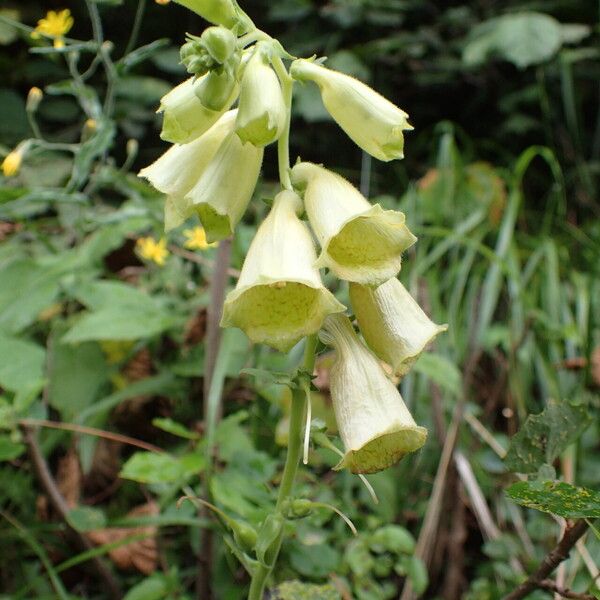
column 500, row 184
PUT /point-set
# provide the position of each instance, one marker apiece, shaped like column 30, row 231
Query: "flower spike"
column 370, row 120
column 376, row 427
column 359, row 242
column 392, row 323
column 279, row 297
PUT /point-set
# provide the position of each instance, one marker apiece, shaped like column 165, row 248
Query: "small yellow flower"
column 12, row 163
column 152, row 250
column 196, row 239
column 54, row 25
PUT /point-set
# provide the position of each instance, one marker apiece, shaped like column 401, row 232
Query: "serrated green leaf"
column 543, row 437
column 557, row 498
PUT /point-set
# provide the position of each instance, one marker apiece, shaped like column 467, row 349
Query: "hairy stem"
column 259, row 579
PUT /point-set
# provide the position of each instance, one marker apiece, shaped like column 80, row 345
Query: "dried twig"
column 62, row 508
column 561, row 552
column 548, row 584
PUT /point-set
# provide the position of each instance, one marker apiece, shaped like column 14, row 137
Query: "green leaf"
column 86, row 518
column 358, row 558
column 315, row 561
column 13, row 124
column 557, row 498
column 155, row 587
column 543, row 437
column 524, row 39
column 8, row 33
column 148, row 467
column 441, row 370
column 10, row 450
column 392, row 538
column 22, row 363
column 175, row 428
column 414, row 568
column 296, row 590
column 76, row 375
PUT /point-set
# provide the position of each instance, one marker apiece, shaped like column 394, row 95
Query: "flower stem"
column 283, row 143
column 294, row 451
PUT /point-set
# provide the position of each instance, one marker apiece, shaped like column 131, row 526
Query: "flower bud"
column 223, row 191
column 219, row 42
column 279, row 297
column 11, row 165
column 185, row 118
column 220, row 12
column 262, row 113
column 212, row 49
column 376, row 427
column 359, row 242
column 34, row 97
column 392, row 323
column 216, row 88
column 370, row 120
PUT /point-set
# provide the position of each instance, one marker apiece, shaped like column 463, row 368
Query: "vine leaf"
column 543, row 437
column 557, row 497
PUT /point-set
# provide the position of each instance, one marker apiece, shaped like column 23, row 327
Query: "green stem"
column 259, row 579
column 283, row 149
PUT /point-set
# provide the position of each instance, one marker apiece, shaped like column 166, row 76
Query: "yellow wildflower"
column 54, row 25
column 196, row 239
column 152, row 250
column 12, row 163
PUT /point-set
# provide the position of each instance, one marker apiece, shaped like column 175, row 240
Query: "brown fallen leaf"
column 139, row 554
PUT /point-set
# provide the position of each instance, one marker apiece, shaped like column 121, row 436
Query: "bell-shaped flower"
column 184, row 117
column 370, row 120
column 392, row 323
column 262, row 113
column 359, row 242
column 225, row 186
column 279, row 297
column 375, row 425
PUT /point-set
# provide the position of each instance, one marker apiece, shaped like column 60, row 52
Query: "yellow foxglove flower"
column 12, row 162
column 223, row 191
column 196, row 239
column 262, row 113
column 54, row 25
column 376, row 427
column 152, row 250
column 359, row 242
column 370, row 120
column 219, row 12
column 392, row 323
column 177, row 170
column 279, row 297
column 184, row 116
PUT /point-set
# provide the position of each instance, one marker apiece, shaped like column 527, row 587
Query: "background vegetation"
column 102, row 352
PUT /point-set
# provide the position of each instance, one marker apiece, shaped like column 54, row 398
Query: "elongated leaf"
column 147, row 467
column 557, row 497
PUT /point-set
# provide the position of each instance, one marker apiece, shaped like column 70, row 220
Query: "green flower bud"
column 245, row 535
column 392, row 323
column 220, row 12
column 359, row 242
column 195, row 58
column 370, row 120
column 269, row 539
column 223, row 191
column 215, row 89
column 184, row 116
column 219, row 42
column 262, row 113
column 279, row 297
column 376, row 427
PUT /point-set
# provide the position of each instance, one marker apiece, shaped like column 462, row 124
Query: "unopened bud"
column 219, row 42
column 269, row 539
column 12, row 162
column 34, row 97
column 219, row 12
column 215, row 89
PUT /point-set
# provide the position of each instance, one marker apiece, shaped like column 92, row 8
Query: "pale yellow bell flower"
column 226, row 184
column 12, row 162
column 150, row 249
column 196, row 239
column 370, row 120
column 262, row 113
column 375, row 425
column 177, row 170
column 184, row 116
column 392, row 323
column 54, row 25
column 359, row 242
column 279, row 297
